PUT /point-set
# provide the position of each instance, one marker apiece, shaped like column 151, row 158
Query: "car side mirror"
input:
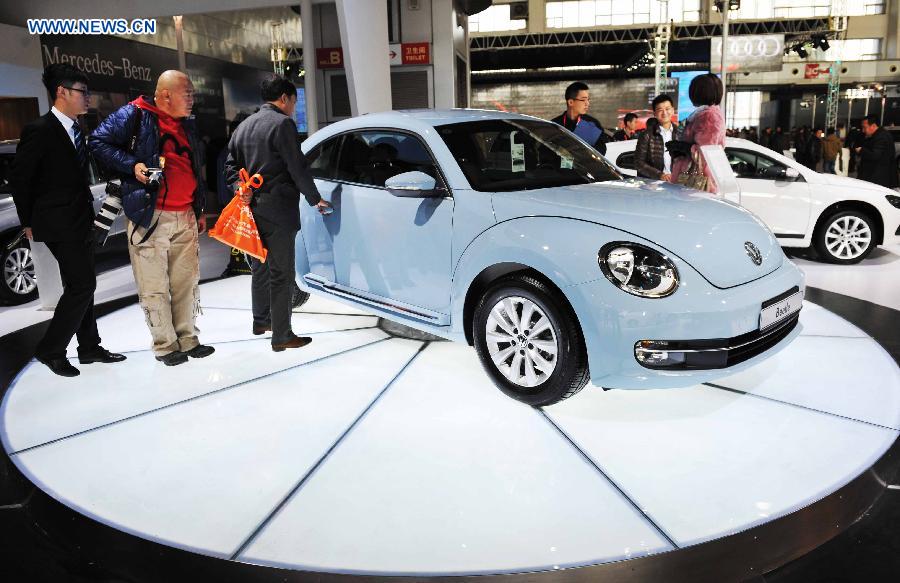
column 781, row 173
column 414, row 184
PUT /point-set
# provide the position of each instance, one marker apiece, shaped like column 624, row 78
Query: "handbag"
column 236, row 226
column 694, row 177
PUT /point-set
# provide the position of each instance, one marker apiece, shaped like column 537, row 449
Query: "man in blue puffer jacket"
column 164, row 219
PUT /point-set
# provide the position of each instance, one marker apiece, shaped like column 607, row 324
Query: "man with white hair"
column 151, row 142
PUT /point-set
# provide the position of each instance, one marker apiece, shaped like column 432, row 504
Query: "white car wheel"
column 522, row 341
column 846, row 237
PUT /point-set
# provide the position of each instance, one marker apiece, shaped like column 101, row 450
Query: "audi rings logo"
column 753, row 253
column 751, row 46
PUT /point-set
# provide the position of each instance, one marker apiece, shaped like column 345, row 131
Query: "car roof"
column 421, row 121
column 439, row 117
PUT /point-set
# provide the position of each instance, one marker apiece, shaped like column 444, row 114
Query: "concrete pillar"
column 891, row 44
column 537, row 16
column 309, row 66
column 364, row 38
column 443, row 17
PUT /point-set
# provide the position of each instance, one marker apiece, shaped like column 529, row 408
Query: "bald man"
column 164, row 209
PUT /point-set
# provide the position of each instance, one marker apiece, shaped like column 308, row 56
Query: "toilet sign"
column 398, row 54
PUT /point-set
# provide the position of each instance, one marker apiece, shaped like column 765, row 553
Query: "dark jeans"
column 828, row 167
column 273, row 281
column 74, row 314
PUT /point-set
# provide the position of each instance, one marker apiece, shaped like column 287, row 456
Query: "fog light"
column 654, row 353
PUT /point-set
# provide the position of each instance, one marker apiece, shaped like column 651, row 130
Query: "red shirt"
column 178, row 171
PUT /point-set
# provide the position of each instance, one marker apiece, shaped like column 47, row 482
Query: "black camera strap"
column 152, row 208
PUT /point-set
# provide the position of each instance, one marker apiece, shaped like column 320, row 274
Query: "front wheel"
column 529, row 342
column 845, row 237
column 19, row 284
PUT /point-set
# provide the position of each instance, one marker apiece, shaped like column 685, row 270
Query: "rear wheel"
column 845, row 237
column 19, row 284
column 529, row 342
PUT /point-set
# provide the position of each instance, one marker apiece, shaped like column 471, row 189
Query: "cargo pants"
column 167, row 272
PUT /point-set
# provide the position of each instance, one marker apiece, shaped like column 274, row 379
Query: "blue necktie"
column 80, row 151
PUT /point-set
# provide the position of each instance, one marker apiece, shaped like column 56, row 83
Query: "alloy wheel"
column 18, row 271
column 522, row 341
column 848, row 237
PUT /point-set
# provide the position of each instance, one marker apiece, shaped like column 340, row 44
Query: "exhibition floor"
column 370, row 454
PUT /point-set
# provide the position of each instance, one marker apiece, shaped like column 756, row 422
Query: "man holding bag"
column 266, row 144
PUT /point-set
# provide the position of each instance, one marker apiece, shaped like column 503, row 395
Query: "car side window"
column 94, row 174
column 323, row 159
column 743, row 163
column 372, row 157
column 626, row 161
column 747, row 164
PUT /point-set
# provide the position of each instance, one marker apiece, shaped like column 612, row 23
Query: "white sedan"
column 842, row 218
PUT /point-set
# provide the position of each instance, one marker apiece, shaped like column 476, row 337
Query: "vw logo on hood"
column 753, row 253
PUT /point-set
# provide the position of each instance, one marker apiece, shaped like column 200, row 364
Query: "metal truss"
column 839, row 29
column 790, row 27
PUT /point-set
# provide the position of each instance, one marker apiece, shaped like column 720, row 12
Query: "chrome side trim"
column 419, row 313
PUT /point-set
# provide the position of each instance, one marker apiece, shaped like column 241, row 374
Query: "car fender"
column 563, row 250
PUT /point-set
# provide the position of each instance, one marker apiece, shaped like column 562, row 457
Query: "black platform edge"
column 97, row 552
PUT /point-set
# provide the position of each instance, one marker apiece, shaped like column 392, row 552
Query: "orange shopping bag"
column 236, row 227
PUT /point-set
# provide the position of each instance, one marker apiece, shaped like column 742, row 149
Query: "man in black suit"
column 576, row 120
column 54, row 202
column 266, row 143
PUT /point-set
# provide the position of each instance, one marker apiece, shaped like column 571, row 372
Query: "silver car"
column 19, row 284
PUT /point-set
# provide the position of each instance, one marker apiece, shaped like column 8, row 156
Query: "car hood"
column 855, row 184
column 707, row 232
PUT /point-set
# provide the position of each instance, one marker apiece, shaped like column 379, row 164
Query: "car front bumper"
column 718, row 328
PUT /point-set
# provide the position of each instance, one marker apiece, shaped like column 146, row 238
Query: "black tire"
column 299, row 297
column 18, row 284
column 570, row 373
column 822, row 238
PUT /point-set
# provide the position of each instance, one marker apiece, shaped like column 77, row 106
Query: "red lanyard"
column 577, row 121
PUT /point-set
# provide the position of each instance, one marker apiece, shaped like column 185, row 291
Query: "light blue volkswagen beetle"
column 510, row 233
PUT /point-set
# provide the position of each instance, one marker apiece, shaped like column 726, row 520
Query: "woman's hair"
column 706, row 90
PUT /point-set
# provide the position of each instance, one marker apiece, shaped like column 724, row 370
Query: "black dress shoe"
column 200, row 351
column 60, row 366
column 261, row 329
column 99, row 354
column 295, row 342
column 173, row 358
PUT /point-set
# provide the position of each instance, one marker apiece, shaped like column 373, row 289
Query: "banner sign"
column 752, row 52
column 398, row 54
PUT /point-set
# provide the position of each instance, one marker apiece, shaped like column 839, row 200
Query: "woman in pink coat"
column 704, row 127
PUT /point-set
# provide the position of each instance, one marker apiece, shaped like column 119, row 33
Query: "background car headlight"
column 638, row 270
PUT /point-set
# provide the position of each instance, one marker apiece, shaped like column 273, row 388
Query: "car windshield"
column 505, row 155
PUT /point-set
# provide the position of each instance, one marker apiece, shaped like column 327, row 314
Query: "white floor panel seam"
column 311, row 472
column 254, row 339
column 593, row 463
column 799, row 406
column 191, row 399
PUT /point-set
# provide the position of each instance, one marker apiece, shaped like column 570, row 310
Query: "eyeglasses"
column 584, row 99
column 85, row 92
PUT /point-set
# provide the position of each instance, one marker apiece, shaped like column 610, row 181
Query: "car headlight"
column 894, row 200
column 638, row 270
